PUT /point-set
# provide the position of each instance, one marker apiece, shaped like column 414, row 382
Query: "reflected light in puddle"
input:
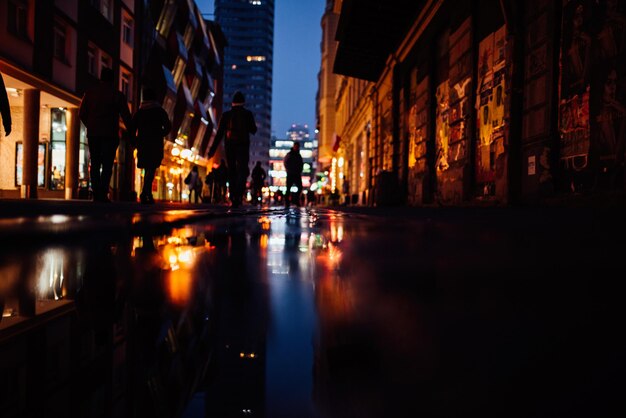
column 59, row 219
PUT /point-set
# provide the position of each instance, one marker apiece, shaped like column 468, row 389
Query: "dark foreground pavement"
column 355, row 312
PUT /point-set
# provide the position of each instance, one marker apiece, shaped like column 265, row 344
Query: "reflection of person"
column 258, row 179
column 151, row 124
column 100, row 111
column 235, row 126
column 5, row 109
column 293, row 165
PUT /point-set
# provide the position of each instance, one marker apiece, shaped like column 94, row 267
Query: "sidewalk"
column 22, row 219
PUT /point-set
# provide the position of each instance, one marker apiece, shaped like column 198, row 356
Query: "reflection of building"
column 249, row 28
column 50, row 52
column 444, row 102
column 280, row 148
column 181, row 59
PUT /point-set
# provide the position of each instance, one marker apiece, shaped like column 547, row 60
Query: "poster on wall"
column 442, row 126
column 19, row 163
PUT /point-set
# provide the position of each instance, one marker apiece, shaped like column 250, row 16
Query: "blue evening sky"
column 297, row 37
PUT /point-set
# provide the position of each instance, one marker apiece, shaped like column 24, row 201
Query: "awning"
column 368, row 31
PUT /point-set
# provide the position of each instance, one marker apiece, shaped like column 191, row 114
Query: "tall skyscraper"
column 249, row 29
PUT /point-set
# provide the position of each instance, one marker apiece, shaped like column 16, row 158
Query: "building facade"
column 249, row 27
column 51, row 52
column 484, row 101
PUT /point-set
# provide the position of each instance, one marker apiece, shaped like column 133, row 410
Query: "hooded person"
column 235, row 127
column 151, row 124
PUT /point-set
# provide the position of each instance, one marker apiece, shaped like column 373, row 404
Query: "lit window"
column 105, row 61
column 255, row 2
column 251, row 58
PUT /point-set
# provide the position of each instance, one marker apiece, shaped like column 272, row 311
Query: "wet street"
column 319, row 313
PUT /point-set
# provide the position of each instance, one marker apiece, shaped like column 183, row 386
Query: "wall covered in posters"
column 592, row 108
column 490, row 107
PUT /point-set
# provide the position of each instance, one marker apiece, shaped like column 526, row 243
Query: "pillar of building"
column 32, row 99
column 72, row 148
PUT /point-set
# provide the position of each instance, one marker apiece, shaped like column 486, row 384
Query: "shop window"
column 19, row 164
column 58, row 130
column 127, row 31
column 60, row 42
column 17, row 18
column 83, row 159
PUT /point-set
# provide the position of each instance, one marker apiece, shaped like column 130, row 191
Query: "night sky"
column 297, row 37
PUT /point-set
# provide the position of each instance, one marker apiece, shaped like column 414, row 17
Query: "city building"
column 249, row 27
column 50, row 52
column 280, row 148
column 487, row 101
column 182, row 59
column 327, row 87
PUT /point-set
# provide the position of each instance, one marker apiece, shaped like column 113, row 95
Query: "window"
column 127, row 31
column 92, row 60
column 60, row 42
column 126, row 85
column 58, row 130
column 105, row 61
column 105, row 7
column 250, row 58
column 17, row 15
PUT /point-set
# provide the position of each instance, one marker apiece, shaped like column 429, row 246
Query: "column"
column 32, row 99
column 72, row 148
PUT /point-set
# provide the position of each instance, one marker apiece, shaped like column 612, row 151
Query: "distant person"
column 194, row 183
column 100, row 111
column 258, row 181
column 56, row 178
column 235, row 126
column 209, row 180
column 5, row 109
column 150, row 125
column 294, row 165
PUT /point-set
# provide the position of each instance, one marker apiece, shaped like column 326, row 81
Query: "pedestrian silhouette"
column 258, row 180
column 209, row 180
column 194, row 182
column 5, row 109
column 293, row 164
column 235, row 126
column 150, row 124
column 100, row 111
column 221, row 177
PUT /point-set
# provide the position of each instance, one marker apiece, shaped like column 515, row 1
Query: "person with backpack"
column 151, row 124
column 194, row 182
column 235, row 127
column 258, row 180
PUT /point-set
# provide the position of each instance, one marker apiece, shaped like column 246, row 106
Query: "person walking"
column 235, row 126
column 100, row 111
column 209, row 180
column 293, row 164
column 194, row 182
column 258, row 180
column 221, row 177
column 5, row 108
column 150, row 125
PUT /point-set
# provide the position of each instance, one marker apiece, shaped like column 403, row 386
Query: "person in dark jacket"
column 235, row 126
column 293, row 164
column 150, row 123
column 5, row 109
column 221, row 177
column 258, row 180
column 100, row 111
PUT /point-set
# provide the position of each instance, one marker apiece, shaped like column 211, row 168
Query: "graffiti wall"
column 592, row 108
